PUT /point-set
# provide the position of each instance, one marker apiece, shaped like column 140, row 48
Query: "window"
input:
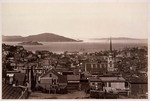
column 109, row 84
column 105, row 84
column 102, row 66
column 91, row 65
column 50, row 75
column 94, row 65
column 110, row 63
column 54, row 81
column 126, row 85
column 99, row 84
column 92, row 84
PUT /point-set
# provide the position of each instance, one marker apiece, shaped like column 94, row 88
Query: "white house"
column 115, row 85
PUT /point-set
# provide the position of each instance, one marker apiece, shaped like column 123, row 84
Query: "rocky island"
column 44, row 37
column 30, row 43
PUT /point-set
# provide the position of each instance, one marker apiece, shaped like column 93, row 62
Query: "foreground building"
column 114, row 84
column 104, row 86
column 53, row 82
column 73, row 82
column 14, row 86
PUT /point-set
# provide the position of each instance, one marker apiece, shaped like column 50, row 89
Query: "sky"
column 76, row 20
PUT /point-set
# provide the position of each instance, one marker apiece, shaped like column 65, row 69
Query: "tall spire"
column 110, row 66
column 110, row 45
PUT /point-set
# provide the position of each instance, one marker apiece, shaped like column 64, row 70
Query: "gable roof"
column 61, row 78
column 51, row 71
column 55, row 72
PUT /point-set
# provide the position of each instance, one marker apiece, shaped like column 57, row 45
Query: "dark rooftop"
column 9, row 92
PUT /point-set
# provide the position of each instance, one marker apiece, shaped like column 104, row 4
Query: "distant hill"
column 118, row 38
column 44, row 37
column 121, row 40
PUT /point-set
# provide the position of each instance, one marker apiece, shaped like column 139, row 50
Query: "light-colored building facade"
column 115, row 85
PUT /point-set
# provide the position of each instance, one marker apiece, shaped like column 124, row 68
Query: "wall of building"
column 139, row 88
column 113, row 86
column 118, row 85
column 95, row 67
column 46, row 83
column 73, row 86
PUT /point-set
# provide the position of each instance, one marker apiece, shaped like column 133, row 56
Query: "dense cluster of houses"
column 101, row 74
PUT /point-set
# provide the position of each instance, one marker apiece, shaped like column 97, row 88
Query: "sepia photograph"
column 74, row 49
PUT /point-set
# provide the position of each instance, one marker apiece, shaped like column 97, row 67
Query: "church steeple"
column 110, row 58
column 110, row 45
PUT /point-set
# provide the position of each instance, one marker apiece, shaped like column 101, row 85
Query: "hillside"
column 44, row 37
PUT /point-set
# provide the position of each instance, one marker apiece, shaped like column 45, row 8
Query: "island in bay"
column 30, row 43
column 44, row 37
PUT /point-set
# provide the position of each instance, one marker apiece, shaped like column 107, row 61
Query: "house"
column 139, row 87
column 15, row 77
column 96, row 87
column 49, row 80
column 14, row 86
column 20, row 79
column 95, row 84
column 73, row 82
column 95, row 67
column 53, row 82
column 108, row 86
column 62, row 84
column 9, row 78
column 115, row 84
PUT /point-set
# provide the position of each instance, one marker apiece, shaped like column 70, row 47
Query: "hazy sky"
column 76, row 20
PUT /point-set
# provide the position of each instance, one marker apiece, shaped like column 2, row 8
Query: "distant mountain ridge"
column 44, row 37
column 117, row 38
